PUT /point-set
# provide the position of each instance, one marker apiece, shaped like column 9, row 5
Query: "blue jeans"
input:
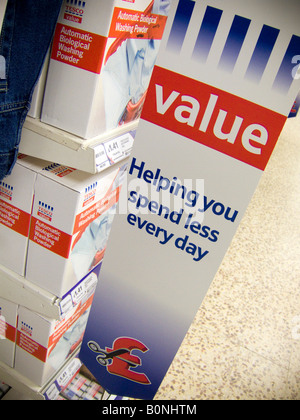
column 26, row 35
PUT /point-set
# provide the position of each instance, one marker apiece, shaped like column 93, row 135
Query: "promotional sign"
column 220, row 93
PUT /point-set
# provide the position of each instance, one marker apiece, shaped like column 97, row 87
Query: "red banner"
column 14, row 218
column 32, row 347
column 217, row 119
column 78, row 48
column 50, row 238
column 135, row 24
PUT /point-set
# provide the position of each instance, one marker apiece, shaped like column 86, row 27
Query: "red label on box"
column 73, row 18
column 63, row 326
column 14, row 218
column 85, row 218
column 50, row 238
column 32, row 347
column 135, row 24
column 78, row 48
column 215, row 118
column 7, row 331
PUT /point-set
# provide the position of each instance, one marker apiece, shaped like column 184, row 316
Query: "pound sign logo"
column 119, row 360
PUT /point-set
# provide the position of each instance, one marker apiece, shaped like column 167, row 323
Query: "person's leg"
column 26, row 35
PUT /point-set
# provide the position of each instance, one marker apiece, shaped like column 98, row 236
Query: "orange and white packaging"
column 101, row 62
column 71, row 219
column 8, row 328
column 16, row 199
column 43, row 345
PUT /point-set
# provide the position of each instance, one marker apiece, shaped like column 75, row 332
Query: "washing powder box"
column 38, row 93
column 16, row 198
column 71, row 219
column 43, row 345
column 8, row 328
column 219, row 96
column 101, row 62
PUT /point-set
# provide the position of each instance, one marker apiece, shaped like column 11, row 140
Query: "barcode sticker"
column 65, row 305
column 101, row 159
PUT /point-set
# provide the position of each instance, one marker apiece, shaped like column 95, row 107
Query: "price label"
column 66, row 305
column 78, row 294
column 101, row 159
column 114, row 150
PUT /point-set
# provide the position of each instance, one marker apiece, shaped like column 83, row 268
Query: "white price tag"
column 127, row 143
column 78, row 294
column 66, row 305
column 52, row 392
column 101, row 159
column 90, row 284
column 114, row 150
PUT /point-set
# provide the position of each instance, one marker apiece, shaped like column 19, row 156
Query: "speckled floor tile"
column 201, row 370
column 245, row 340
column 293, row 385
column 256, row 378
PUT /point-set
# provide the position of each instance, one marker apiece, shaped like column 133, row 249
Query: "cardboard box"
column 38, row 93
column 71, row 220
column 16, row 199
column 43, row 345
column 219, row 96
column 8, row 329
column 101, row 62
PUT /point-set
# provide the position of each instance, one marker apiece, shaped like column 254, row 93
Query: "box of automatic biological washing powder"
column 71, row 220
column 101, row 62
column 43, row 345
column 16, row 199
column 8, row 329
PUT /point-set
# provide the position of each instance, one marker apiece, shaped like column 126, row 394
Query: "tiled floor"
column 245, row 340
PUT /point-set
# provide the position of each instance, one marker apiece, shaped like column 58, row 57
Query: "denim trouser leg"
column 26, row 35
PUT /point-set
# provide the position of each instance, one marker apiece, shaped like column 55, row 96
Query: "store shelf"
column 23, row 385
column 18, row 382
column 95, row 155
column 17, row 289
